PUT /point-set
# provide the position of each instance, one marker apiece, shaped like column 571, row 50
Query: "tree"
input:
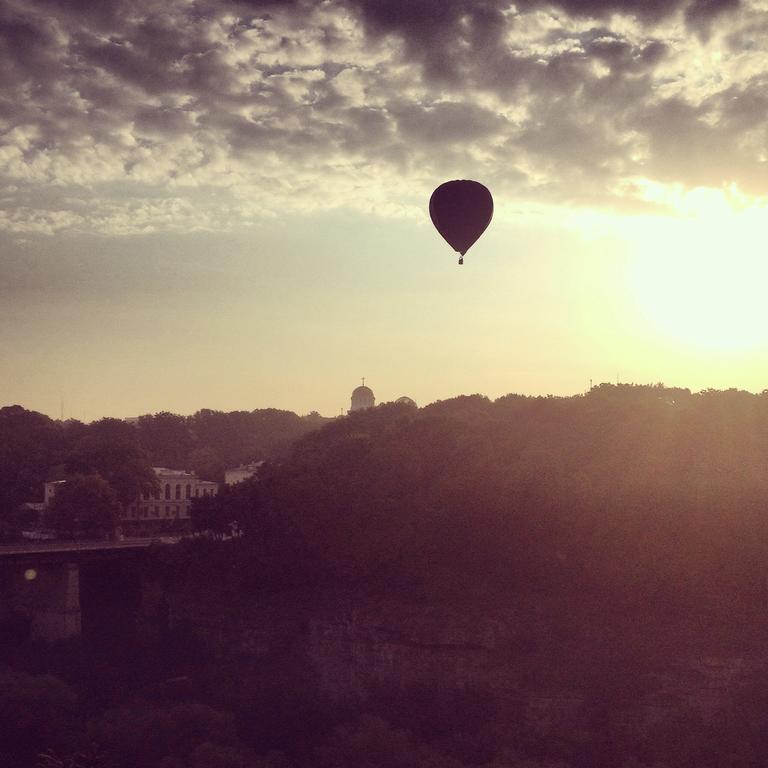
column 84, row 507
column 130, row 478
column 37, row 712
column 188, row 734
column 110, row 449
column 16, row 521
column 373, row 742
column 167, row 439
column 239, row 437
column 207, row 464
column 229, row 510
column 29, row 444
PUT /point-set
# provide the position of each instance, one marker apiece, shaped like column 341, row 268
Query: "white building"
column 173, row 501
column 243, row 472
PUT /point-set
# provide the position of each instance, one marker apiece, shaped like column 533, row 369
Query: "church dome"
column 362, row 398
column 405, row 400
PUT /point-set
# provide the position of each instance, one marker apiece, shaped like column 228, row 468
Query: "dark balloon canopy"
column 461, row 211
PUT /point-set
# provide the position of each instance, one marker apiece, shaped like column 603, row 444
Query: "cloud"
column 137, row 116
column 701, row 14
column 445, row 122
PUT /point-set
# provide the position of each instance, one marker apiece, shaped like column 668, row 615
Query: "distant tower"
column 362, row 398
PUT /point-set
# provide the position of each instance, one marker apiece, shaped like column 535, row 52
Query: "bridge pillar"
column 59, row 619
column 50, row 595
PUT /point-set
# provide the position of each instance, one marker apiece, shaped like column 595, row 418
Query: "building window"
column 189, row 490
column 157, row 511
column 156, row 495
column 178, row 491
column 167, row 490
column 197, row 491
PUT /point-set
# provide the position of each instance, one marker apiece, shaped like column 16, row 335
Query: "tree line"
column 109, row 461
column 627, row 528
column 623, row 489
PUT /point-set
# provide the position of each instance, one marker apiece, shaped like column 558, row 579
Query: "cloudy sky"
column 223, row 204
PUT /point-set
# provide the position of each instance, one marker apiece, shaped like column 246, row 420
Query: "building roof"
column 160, row 471
column 252, row 467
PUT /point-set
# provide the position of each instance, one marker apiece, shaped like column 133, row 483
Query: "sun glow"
column 702, row 277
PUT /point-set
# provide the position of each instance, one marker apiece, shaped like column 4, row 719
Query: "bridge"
column 41, row 581
column 71, row 548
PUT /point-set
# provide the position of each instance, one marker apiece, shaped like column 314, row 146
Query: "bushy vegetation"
column 35, row 448
column 196, row 722
column 631, row 491
column 626, row 527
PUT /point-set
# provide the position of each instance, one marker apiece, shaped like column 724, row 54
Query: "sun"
column 702, row 278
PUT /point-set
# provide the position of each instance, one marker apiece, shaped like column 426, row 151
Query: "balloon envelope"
column 461, row 210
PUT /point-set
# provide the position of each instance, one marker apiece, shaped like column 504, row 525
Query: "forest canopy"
column 620, row 532
column 625, row 488
column 35, row 448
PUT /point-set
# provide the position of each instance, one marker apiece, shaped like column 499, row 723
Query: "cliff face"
column 354, row 652
column 360, row 651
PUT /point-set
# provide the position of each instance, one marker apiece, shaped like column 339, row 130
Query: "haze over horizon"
column 224, row 205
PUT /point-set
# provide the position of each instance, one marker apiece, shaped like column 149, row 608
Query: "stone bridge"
column 42, row 582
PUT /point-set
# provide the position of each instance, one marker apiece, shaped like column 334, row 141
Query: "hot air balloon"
column 461, row 210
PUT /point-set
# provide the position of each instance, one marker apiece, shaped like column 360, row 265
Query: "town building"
column 173, row 499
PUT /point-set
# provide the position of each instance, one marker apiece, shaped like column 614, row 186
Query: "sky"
column 224, row 204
